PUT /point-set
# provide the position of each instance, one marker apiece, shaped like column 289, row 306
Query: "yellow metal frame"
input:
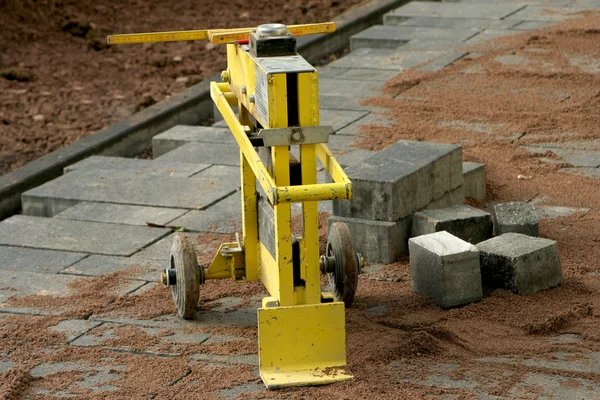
column 301, row 337
column 301, row 330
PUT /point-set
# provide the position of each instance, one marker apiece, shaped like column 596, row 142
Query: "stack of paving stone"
column 452, row 264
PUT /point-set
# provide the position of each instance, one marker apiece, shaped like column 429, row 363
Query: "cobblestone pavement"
column 91, row 224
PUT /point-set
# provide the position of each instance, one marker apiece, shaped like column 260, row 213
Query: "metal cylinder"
column 271, row 30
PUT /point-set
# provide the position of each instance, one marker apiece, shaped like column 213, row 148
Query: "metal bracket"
column 295, row 135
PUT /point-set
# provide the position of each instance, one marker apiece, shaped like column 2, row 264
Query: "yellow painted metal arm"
column 340, row 189
column 233, row 35
column 217, row 36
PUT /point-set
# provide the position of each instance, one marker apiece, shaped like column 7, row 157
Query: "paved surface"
column 92, row 221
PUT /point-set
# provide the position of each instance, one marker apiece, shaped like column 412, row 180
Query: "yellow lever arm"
column 217, row 36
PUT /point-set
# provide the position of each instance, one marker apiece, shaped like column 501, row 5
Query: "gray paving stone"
column 35, row 260
column 120, row 214
column 96, row 379
column 432, row 45
column 446, row 59
column 73, row 328
column 552, row 212
column 78, row 236
column 453, row 10
column 385, row 59
column 6, row 365
column 236, row 390
column 366, row 74
column 403, row 178
column 329, row 72
column 328, row 102
column 490, row 33
column 445, row 22
column 520, row 263
column 201, row 152
column 339, row 119
column 391, row 37
column 226, row 174
column 182, row 134
column 545, row 13
column 124, row 187
column 578, row 158
column 378, row 241
column 373, row 118
column 547, row 3
column 445, row 268
column 223, row 217
column 160, row 250
column 352, row 157
column 474, row 180
column 465, row 222
column 355, row 89
column 25, row 283
column 19, row 284
column 593, row 173
column 532, row 25
column 246, row 359
column 97, row 265
column 515, row 216
column 148, row 167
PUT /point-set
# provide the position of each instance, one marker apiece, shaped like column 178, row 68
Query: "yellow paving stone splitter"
column 301, row 329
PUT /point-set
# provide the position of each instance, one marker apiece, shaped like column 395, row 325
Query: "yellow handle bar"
column 216, row 36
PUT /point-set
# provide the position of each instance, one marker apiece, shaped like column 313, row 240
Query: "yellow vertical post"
column 249, row 210
column 308, row 113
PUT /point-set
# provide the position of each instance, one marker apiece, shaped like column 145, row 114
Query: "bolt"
column 244, row 90
column 251, row 98
column 225, row 76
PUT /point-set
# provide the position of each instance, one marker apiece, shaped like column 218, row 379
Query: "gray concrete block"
column 120, row 214
column 125, row 187
column 445, row 268
column 223, row 217
column 329, row 102
column 465, row 222
column 377, row 241
column 452, row 10
column 578, row 158
column 338, row 119
column 181, row 134
column 374, row 118
column 138, row 268
column 474, row 180
column 77, row 236
column 73, row 328
column 385, row 59
column 201, row 152
column 148, row 167
column 25, row 283
column 401, row 179
column 36, row 260
column 520, row 263
column 348, row 158
column 515, row 216
column 391, row 37
column 455, row 197
column 432, row 45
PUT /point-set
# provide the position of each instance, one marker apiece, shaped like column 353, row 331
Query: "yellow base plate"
column 302, row 345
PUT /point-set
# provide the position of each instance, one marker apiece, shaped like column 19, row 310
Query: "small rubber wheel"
column 186, row 292
column 343, row 281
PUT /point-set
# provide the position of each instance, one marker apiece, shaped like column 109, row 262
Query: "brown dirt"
column 60, row 82
column 388, row 352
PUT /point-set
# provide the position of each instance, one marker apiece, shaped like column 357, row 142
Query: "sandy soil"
column 547, row 99
column 59, row 81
